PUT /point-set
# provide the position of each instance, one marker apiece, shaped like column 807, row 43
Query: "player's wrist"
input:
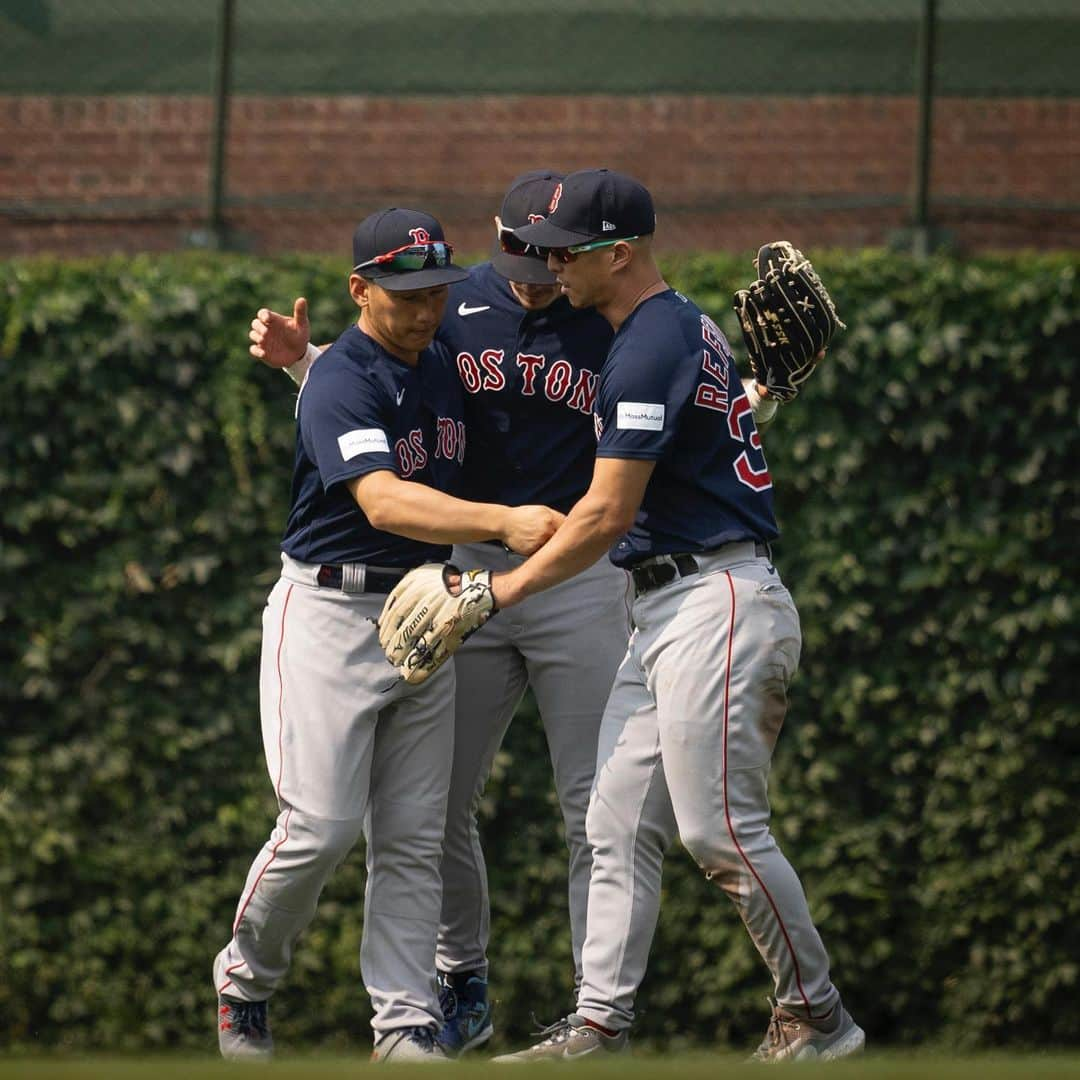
column 502, row 518
column 297, row 370
column 762, row 403
column 506, row 590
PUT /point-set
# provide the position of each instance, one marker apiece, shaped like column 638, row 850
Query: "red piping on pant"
column 727, row 811
column 277, row 788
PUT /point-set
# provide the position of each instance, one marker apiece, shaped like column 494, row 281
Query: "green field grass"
column 881, row 1066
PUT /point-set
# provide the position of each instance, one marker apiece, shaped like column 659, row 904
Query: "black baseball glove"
column 787, row 319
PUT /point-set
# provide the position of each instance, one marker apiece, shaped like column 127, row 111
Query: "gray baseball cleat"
column 791, row 1038
column 409, row 1045
column 244, row 1030
column 569, row 1039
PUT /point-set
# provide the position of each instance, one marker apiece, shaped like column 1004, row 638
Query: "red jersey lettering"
column 529, row 365
column 491, row 361
column 714, row 336
column 410, row 453
column 451, row 444
column 469, row 372
column 584, row 393
column 557, row 381
column 711, row 397
column 416, row 442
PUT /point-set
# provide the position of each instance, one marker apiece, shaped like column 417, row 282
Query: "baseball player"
column 682, row 495
column 350, row 748
column 529, row 363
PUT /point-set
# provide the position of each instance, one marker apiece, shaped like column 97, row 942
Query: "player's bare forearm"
column 419, row 512
column 584, row 538
column 597, row 520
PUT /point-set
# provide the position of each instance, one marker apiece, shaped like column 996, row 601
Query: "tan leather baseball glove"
column 423, row 623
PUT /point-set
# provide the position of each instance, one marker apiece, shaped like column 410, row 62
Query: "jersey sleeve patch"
column 640, row 416
column 363, row 441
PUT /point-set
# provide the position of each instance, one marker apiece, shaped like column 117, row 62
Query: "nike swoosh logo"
column 464, row 309
column 580, row 1053
column 401, row 395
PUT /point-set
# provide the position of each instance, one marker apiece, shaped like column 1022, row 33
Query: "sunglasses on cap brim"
column 435, row 253
column 511, row 245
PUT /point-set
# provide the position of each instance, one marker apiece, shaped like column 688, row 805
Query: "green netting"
column 986, row 47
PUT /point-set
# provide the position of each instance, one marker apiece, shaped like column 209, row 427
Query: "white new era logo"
column 607, row 226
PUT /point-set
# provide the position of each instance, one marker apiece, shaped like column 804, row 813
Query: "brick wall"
column 83, row 175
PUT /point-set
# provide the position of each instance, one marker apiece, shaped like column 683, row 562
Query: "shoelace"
column 448, row 1000
column 783, row 1027
column 246, row 1018
column 555, row 1033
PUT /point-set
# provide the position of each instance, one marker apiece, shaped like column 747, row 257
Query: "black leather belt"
column 375, row 581
column 653, row 575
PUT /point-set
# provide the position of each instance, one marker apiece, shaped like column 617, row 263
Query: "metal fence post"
column 215, row 221
column 921, row 238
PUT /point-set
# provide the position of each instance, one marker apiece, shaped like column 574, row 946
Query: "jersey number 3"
column 712, row 393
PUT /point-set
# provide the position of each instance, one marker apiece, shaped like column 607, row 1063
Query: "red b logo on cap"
column 420, row 236
column 555, row 197
column 534, row 218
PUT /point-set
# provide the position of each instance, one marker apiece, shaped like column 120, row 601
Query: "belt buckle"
column 652, row 577
column 664, row 573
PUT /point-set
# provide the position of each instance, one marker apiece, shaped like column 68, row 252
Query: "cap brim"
column 545, row 235
column 407, row 280
column 526, row 269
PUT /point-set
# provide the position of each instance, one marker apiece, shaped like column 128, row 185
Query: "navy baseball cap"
column 526, row 200
column 593, row 204
column 403, row 249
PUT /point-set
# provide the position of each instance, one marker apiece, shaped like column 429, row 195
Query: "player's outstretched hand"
column 529, row 528
column 278, row 340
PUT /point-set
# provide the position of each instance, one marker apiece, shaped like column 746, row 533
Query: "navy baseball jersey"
column 670, row 393
column 361, row 410
column 530, row 380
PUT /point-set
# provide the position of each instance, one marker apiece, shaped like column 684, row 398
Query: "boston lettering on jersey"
column 361, row 410
column 530, row 381
column 670, row 393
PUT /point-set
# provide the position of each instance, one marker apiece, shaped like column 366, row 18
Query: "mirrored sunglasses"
column 510, row 244
column 435, row 253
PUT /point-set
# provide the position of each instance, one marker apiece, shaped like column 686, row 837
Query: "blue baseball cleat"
column 466, row 1013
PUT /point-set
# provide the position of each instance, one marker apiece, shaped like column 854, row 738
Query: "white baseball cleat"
column 244, row 1030
column 568, row 1040
column 792, row 1038
column 412, row 1044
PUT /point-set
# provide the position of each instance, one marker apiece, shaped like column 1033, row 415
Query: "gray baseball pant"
column 566, row 643
column 685, row 748
column 351, row 750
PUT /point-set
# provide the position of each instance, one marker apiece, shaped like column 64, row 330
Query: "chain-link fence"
column 390, row 47
column 736, row 112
